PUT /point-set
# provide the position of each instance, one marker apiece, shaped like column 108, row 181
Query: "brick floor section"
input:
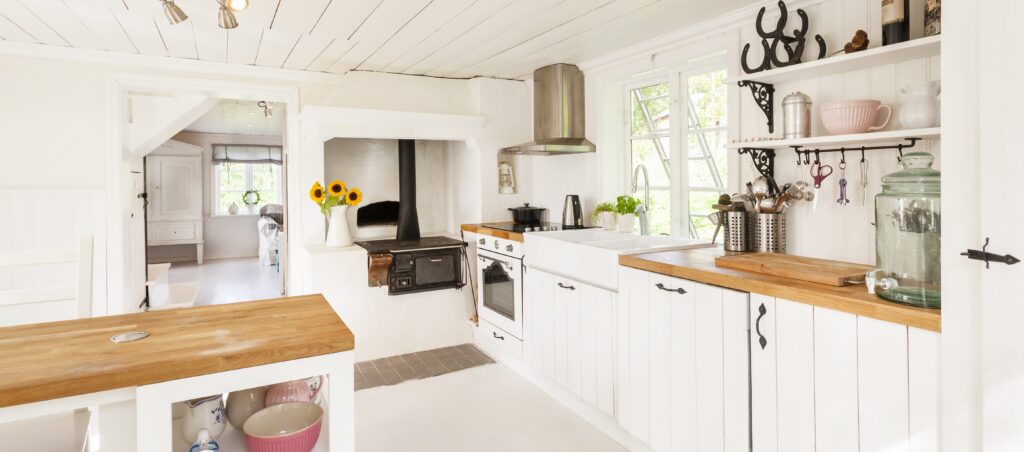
column 415, row 366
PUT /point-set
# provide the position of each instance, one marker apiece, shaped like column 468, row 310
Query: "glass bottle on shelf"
column 908, row 231
column 895, row 21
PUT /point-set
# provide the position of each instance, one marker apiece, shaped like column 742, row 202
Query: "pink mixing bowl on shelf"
column 855, row 116
column 286, row 427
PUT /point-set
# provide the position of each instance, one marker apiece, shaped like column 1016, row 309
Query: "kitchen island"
column 63, row 366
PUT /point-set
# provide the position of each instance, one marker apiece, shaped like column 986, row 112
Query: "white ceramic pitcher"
column 921, row 107
column 201, row 414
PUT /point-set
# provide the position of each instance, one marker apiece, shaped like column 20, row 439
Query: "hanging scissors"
column 819, row 173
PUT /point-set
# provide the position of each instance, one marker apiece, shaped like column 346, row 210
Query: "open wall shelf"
column 858, row 139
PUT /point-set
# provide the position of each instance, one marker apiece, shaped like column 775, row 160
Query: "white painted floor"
column 487, row 408
column 228, row 280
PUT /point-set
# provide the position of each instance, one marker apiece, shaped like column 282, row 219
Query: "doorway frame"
column 120, row 86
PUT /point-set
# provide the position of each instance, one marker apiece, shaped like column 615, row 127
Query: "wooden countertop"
column 699, row 265
column 60, row 359
column 479, row 229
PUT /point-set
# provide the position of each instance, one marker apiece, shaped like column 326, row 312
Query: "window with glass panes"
column 233, row 179
column 702, row 171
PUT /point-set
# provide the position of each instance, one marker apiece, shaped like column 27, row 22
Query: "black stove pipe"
column 408, row 220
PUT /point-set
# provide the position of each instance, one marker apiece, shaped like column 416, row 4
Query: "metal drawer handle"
column 680, row 290
column 495, row 333
column 757, row 326
column 566, row 287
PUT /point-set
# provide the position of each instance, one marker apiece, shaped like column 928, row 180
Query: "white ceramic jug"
column 338, row 233
column 207, row 414
column 921, row 107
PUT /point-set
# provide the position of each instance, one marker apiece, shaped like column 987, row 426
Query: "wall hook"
column 988, row 257
column 862, row 158
column 817, row 157
column 842, row 156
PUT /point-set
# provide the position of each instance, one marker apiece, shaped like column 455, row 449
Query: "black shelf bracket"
column 803, row 154
column 764, row 95
column 764, row 162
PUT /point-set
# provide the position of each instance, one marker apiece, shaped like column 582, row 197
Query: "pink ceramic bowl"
column 856, row 116
column 287, row 427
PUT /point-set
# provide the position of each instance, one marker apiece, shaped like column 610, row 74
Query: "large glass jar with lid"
column 908, row 234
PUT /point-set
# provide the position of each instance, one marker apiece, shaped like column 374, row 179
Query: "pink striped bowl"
column 855, row 116
column 286, row 427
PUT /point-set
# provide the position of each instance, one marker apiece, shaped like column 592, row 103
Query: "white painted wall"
column 226, row 236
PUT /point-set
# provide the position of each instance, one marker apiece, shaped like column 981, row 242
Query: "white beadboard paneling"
column 661, row 360
column 573, row 333
column 440, row 14
column 623, row 390
column 275, row 46
column 476, row 15
column 710, row 369
column 561, row 317
column 763, row 377
column 924, row 371
column 835, row 381
column 306, row 51
column 794, row 333
column 331, row 55
column 684, row 370
column 735, row 312
column 299, row 17
column 29, row 22
column 386, row 20
column 589, row 304
column 546, row 312
column 882, row 385
column 639, row 357
column 98, row 17
column 143, row 32
column 604, row 338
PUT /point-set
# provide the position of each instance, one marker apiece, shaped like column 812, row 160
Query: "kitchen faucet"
column 641, row 210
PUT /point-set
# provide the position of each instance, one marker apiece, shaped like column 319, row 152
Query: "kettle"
column 572, row 213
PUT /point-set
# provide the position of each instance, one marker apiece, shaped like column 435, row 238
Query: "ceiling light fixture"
column 174, row 14
column 238, row 5
column 268, row 110
column 226, row 18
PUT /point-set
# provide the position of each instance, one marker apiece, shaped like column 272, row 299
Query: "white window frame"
column 215, row 195
column 679, row 135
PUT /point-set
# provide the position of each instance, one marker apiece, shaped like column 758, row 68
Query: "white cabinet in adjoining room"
column 569, row 330
column 682, row 363
column 174, row 190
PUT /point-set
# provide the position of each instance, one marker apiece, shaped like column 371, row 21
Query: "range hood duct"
column 558, row 113
column 408, row 219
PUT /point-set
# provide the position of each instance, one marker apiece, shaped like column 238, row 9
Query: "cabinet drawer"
column 492, row 338
column 174, row 232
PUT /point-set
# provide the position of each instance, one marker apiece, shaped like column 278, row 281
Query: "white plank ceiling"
column 441, row 38
column 241, row 117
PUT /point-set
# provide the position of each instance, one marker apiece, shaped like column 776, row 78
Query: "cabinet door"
column 710, row 369
column 659, row 329
column 175, row 186
column 763, row 402
column 835, row 381
column 882, row 386
column 736, row 361
column 794, row 361
column 682, row 370
column 924, row 370
column 541, row 303
column 566, row 294
column 596, row 348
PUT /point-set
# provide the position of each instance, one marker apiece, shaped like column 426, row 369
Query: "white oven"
column 500, row 278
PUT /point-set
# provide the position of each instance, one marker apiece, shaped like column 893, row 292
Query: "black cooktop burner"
column 393, row 245
column 535, row 227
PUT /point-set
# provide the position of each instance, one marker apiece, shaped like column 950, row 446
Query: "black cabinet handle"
column 757, row 326
column 495, row 333
column 680, row 290
column 566, row 287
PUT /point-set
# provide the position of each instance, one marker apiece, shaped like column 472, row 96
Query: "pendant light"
column 238, row 5
column 174, row 14
column 225, row 17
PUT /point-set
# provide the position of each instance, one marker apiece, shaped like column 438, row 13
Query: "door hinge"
column 988, row 257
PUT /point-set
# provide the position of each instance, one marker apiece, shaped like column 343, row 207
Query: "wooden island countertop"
column 699, row 265
column 481, row 229
column 48, row 361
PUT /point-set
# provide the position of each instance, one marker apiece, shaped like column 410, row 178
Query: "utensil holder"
column 770, row 233
column 737, row 232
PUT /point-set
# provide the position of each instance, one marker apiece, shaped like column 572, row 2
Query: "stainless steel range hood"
column 558, row 113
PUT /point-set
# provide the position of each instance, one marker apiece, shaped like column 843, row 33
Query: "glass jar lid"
column 917, row 175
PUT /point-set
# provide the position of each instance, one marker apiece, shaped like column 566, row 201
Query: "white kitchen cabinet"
column 571, row 334
column 682, row 363
column 823, row 380
column 174, row 187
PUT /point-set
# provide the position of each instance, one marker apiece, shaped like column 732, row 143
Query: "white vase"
column 607, row 220
column 233, row 209
column 625, row 222
column 338, row 233
column 921, row 108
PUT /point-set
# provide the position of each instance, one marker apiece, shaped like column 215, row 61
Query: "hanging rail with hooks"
column 803, row 156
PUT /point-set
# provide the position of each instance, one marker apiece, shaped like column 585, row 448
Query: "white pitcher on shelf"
column 204, row 421
column 921, row 108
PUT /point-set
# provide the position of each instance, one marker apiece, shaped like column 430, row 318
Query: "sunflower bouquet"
column 336, row 194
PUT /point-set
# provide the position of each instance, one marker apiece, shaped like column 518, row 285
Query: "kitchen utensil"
column 572, row 213
column 289, row 391
column 819, row 173
column 863, row 181
column 525, row 214
column 203, row 414
column 760, row 185
column 737, row 232
column 716, row 219
column 842, row 185
column 858, row 116
column 921, row 108
column 242, row 404
column 821, row 271
column 757, row 203
column 908, row 234
column 770, row 233
column 796, row 115
column 288, row 427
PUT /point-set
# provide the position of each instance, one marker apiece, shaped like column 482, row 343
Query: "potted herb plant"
column 625, row 207
column 604, row 214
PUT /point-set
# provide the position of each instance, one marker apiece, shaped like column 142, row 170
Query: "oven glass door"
column 501, row 290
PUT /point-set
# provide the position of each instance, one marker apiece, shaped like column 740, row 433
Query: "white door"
column 175, row 187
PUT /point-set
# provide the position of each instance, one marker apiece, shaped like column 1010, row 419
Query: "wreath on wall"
column 251, row 198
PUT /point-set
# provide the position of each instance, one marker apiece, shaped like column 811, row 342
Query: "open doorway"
column 214, row 214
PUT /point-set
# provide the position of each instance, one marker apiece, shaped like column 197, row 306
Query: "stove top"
column 520, row 228
column 393, row 245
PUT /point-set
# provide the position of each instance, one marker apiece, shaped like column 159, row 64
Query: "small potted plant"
column 334, row 202
column 604, row 214
column 625, row 207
